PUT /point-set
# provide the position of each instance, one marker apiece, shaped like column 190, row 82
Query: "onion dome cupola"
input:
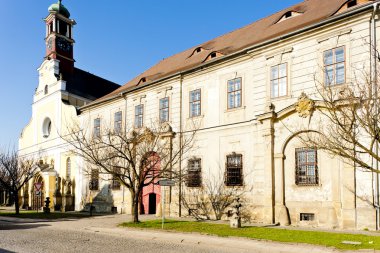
column 59, row 8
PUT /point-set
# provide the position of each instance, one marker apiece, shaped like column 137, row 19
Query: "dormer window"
column 142, row 80
column 197, row 51
column 352, row 3
column 289, row 14
column 213, row 55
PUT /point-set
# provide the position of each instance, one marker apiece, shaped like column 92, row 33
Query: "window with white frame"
column 97, row 127
column 278, row 80
column 118, row 121
column 195, row 103
column 334, row 66
column 234, row 88
column 164, row 109
column 139, row 115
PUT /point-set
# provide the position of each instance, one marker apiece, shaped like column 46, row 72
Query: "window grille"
column 194, row 177
column 306, row 166
column 307, row 216
column 234, row 170
column 115, row 178
column 94, row 180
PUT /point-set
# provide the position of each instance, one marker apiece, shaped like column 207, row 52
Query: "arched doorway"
column 151, row 194
column 38, row 196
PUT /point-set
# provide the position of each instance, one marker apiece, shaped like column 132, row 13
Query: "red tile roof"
column 312, row 11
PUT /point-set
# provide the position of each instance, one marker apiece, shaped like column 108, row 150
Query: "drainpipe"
column 180, row 144
column 374, row 85
column 124, row 95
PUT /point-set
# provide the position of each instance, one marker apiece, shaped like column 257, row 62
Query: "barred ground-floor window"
column 307, row 166
column 234, row 170
column 194, row 176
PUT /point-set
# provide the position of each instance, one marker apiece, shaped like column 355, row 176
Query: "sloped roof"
column 312, row 12
column 87, row 85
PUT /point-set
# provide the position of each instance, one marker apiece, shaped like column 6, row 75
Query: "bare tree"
column 348, row 121
column 211, row 199
column 136, row 158
column 15, row 173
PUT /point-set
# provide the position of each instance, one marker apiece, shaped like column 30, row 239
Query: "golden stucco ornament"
column 305, row 106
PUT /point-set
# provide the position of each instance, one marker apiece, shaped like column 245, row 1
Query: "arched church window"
column 68, row 168
column 46, row 91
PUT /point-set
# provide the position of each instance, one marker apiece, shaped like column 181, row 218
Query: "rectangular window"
column 118, row 120
column 164, row 109
column 194, row 176
column 334, row 66
column 234, row 170
column 307, row 216
column 278, row 80
column 195, row 103
column 115, row 178
column 139, row 115
column 94, row 181
column 234, row 93
column 306, row 166
column 97, row 128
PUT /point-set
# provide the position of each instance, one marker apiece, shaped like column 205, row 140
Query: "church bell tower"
column 59, row 38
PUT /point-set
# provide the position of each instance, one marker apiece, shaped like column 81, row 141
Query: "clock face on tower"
column 63, row 44
column 50, row 44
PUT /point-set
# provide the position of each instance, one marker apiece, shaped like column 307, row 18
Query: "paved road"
column 100, row 234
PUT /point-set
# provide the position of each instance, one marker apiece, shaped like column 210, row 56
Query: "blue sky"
column 116, row 40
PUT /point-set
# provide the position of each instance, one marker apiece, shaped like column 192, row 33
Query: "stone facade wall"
column 263, row 130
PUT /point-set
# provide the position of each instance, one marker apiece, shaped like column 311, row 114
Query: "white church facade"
column 252, row 92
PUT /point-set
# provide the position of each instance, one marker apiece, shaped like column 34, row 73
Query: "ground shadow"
column 10, row 225
column 6, row 251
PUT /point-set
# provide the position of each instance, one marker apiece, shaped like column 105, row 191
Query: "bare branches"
column 15, row 173
column 136, row 158
column 349, row 124
column 212, row 199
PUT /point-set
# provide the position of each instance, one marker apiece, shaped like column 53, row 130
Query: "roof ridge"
column 210, row 40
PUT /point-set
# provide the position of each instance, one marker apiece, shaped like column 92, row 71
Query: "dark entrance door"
column 152, row 203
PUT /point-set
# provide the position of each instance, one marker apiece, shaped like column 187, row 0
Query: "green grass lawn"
column 42, row 215
column 272, row 234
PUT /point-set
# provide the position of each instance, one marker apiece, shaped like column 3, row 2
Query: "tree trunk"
column 17, row 205
column 135, row 207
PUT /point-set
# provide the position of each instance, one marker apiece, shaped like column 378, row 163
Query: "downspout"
column 180, row 145
column 373, row 61
column 124, row 95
